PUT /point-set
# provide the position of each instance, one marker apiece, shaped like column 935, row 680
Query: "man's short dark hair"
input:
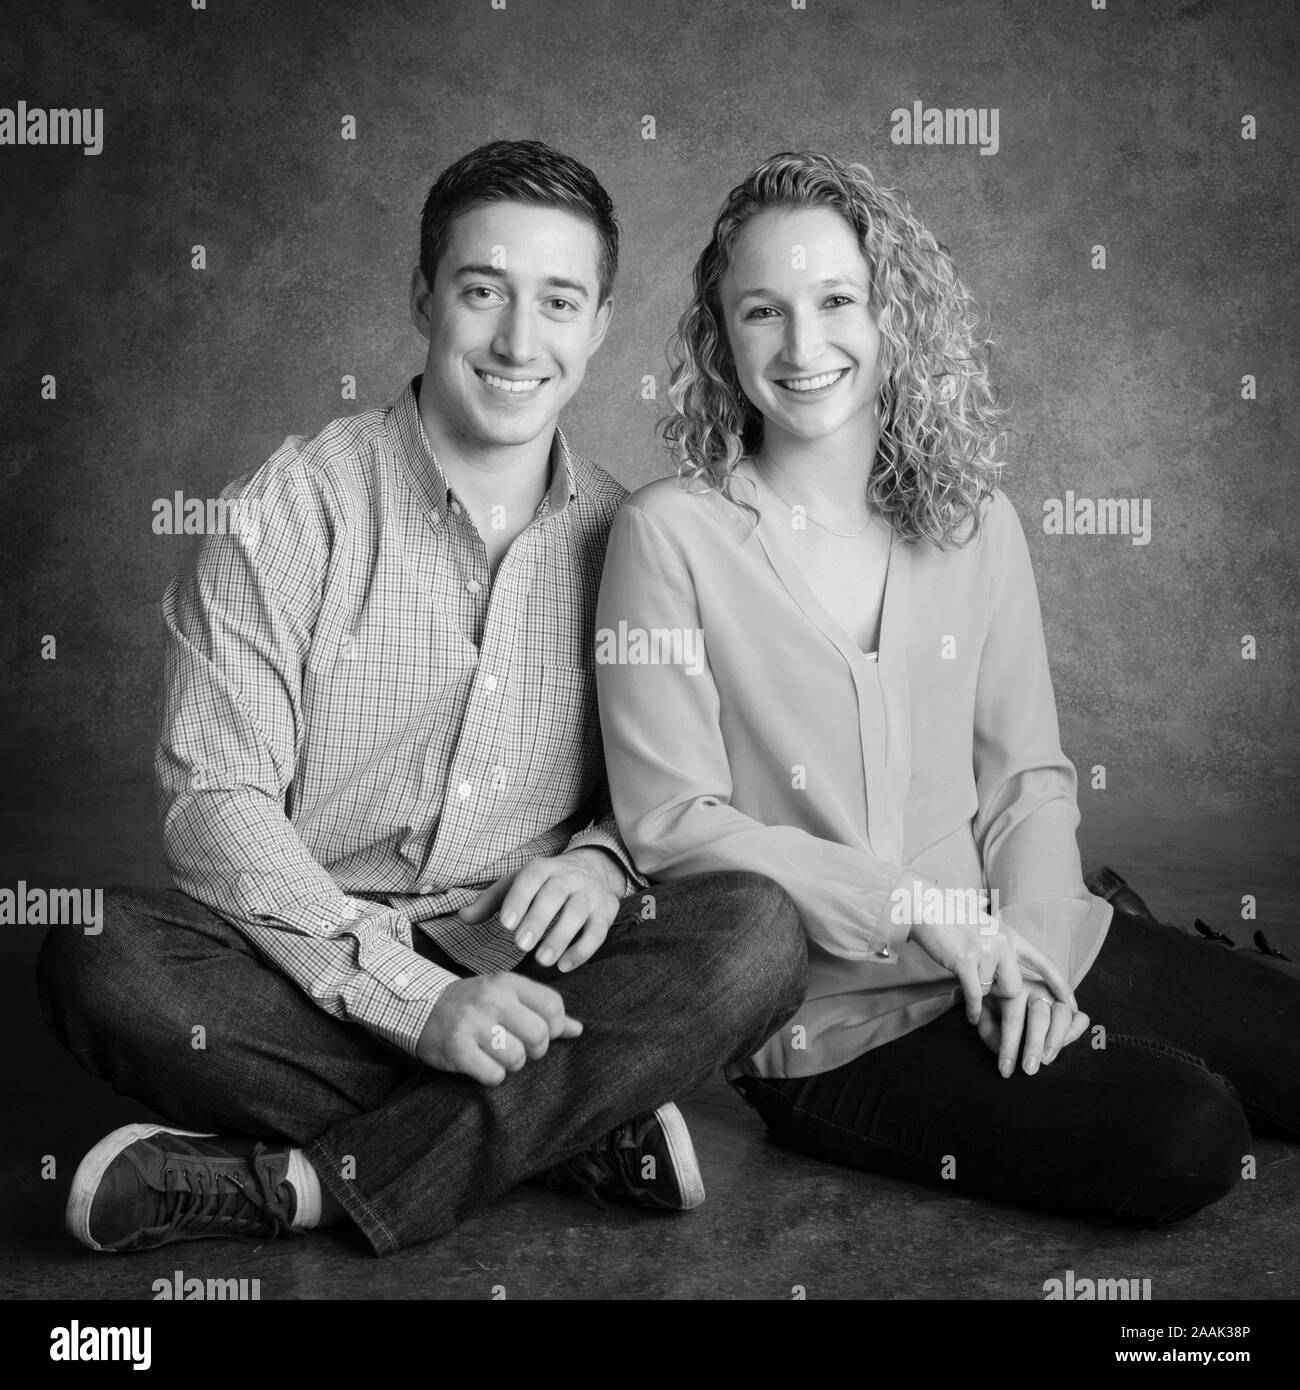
column 518, row 171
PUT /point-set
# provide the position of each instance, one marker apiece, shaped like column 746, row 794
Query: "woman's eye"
column 837, row 301
column 763, row 311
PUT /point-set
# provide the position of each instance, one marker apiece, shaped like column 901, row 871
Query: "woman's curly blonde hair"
column 939, row 416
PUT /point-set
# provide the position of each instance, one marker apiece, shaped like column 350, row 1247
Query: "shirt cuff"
column 397, row 990
column 904, row 906
column 603, row 834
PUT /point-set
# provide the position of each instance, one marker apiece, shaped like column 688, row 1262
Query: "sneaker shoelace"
column 612, row 1161
column 206, row 1202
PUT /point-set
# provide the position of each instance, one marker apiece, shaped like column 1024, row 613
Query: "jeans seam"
column 351, row 1199
column 1146, row 1044
column 1169, row 1050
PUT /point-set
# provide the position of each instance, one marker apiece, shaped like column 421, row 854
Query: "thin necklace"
column 843, row 535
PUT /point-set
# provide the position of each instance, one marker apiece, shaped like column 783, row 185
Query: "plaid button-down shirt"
column 361, row 728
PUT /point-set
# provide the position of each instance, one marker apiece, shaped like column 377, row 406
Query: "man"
column 406, row 967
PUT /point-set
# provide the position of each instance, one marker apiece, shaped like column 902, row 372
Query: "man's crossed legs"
column 173, row 1006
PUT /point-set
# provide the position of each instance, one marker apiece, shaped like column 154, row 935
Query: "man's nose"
column 516, row 340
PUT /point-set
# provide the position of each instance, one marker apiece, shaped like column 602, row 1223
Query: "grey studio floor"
column 772, row 1223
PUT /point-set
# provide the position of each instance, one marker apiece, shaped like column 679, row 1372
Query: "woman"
column 820, row 656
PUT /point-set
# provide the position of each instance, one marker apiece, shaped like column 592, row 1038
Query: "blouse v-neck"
column 792, row 576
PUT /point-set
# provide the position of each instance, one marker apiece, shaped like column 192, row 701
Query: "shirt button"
column 402, row 981
column 473, row 586
column 490, row 682
column 455, row 509
column 464, row 789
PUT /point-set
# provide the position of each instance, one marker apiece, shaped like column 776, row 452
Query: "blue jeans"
column 409, row 1151
column 1200, row 1042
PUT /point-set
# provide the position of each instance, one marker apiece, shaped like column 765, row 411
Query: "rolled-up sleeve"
column 670, row 778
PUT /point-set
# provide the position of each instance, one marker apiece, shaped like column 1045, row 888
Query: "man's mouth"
column 803, row 384
column 515, row 386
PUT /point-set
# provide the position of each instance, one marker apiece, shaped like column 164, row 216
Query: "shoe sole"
column 91, row 1170
column 682, row 1153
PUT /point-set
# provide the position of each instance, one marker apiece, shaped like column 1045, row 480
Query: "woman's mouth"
column 809, row 385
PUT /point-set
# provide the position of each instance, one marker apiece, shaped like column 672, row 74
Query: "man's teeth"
column 812, row 383
column 505, row 384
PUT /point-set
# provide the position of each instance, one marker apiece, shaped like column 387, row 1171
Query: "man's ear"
column 600, row 324
column 421, row 293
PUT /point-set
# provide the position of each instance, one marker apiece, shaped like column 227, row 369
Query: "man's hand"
column 565, row 903
column 489, row 1025
column 1043, row 1022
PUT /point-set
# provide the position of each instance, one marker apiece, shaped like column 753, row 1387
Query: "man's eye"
column 562, row 305
column 481, row 292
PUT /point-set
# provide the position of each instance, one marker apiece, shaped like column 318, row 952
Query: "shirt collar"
column 425, row 474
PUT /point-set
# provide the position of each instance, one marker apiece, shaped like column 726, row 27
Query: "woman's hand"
column 985, row 957
column 1044, row 1024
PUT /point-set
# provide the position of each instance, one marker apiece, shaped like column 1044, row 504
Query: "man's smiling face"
column 512, row 318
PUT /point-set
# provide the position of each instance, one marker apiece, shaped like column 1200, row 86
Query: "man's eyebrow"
column 476, row 268
column 558, row 282
column 496, row 272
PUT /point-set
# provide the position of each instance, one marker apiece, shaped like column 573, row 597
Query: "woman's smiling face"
column 795, row 304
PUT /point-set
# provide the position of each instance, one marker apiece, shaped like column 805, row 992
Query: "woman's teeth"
column 812, row 383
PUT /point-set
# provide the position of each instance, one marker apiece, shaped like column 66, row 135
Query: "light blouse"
column 744, row 729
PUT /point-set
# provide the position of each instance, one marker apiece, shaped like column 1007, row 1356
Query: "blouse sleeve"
column 669, row 775
column 1028, row 813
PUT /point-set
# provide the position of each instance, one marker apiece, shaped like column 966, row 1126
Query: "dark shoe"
column 649, row 1162
column 1106, row 883
column 143, row 1186
column 1210, row 934
column 1266, row 948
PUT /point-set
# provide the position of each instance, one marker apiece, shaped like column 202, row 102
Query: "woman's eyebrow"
column 830, row 281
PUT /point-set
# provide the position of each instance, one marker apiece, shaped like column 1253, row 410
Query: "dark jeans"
column 1149, row 1128
column 407, row 1150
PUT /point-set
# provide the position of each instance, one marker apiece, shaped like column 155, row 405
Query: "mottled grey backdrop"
column 1119, row 127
